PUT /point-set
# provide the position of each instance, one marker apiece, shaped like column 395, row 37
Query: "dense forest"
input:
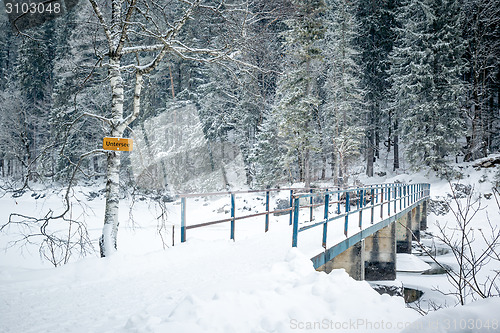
column 300, row 91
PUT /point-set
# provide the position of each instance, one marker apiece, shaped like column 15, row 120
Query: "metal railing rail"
column 368, row 197
column 371, row 193
column 234, row 218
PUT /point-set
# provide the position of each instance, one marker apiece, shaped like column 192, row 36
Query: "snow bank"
column 480, row 316
column 255, row 285
column 292, row 297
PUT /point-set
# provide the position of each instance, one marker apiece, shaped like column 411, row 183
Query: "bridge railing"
column 367, row 197
column 234, row 218
column 372, row 197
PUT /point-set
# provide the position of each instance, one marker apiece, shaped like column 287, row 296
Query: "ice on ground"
column 410, row 263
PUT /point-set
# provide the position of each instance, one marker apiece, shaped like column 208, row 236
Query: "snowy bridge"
column 359, row 229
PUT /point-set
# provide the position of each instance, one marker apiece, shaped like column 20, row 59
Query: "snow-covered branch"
column 104, row 26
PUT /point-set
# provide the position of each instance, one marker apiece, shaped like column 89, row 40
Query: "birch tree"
column 139, row 34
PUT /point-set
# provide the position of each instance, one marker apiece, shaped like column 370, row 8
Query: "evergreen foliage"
column 426, row 82
column 337, row 82
column 297, row 99
column 343, row 110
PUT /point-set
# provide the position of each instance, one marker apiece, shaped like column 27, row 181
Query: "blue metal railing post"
column 395, row 196
column 410, row 201
column 408, row 194
column 388, row 200
column 373, row 205
column 338, row 201
column 400, row 189
column 404, row 195
column 382, row 201
column 347, row 209
column 311, row 208
column 267, row 210
column 232, row 216
column 361, row 199
column 325, row 225
column 291, row 205
column 295, row 222
column 183, row 220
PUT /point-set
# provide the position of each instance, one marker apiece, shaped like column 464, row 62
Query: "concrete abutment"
column 374, row 257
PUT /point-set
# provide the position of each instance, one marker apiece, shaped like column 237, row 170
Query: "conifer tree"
column 426, row 84
column 267, row 154
column 343, row 110
column 297, row 96
column 375, row 41
column 481, row 29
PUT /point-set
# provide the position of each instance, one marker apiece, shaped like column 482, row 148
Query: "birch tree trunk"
column 108, row 241
column 118, row 30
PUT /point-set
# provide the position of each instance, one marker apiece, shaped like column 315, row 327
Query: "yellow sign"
column 120, row 144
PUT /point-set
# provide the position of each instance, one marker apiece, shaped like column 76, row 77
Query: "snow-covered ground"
column 211, row 284
column 256, row 284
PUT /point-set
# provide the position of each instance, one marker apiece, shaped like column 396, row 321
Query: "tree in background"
column 426, row 83
column 297, row 99
column 375, row 42
column 137, row 39
column 480, row 23
column 267, row 154
column 343, row 111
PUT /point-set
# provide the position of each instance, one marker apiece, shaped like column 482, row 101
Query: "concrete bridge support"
column 380, row 254
column 374, row 257
column 423, row 215
column 403, row 233
column 408, row 228
column 352, row 260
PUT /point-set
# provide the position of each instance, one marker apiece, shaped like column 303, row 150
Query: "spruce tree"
column 343, row 111
column 426, row 84
column 267, row 154
column 375, row 41
column 297, row 96
column 481, row 29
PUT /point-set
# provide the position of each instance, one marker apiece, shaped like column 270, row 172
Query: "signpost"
column 120, row 144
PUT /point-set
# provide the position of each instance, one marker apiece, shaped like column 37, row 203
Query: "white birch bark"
column 108, row 241
column 116, row 30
